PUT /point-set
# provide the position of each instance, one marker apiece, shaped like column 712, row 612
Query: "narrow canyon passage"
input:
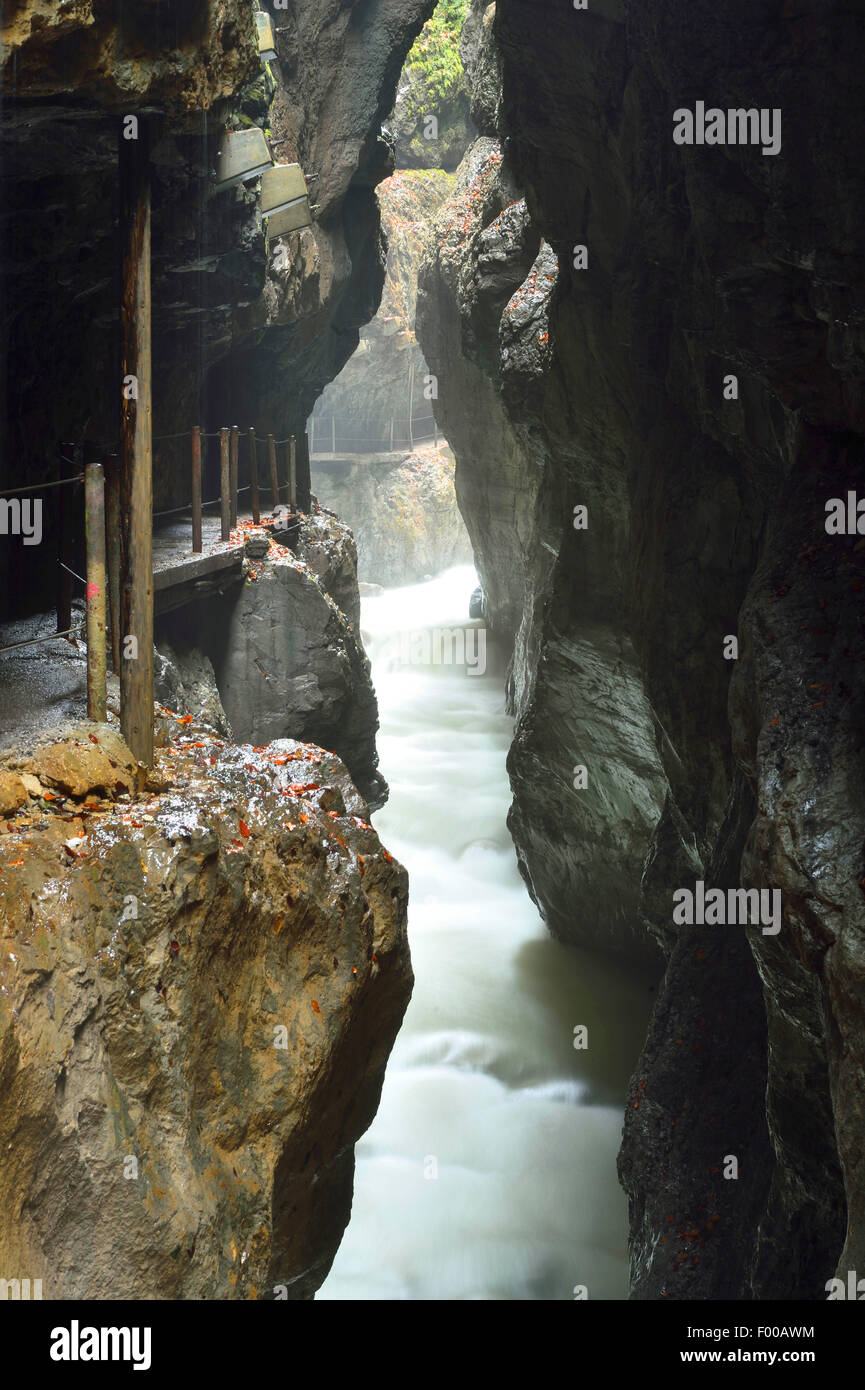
column 489, row 1171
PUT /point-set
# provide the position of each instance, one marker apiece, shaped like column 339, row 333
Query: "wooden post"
column 224, row 484
column 391, row 434
column 304, row 482
column 67, row 467
column 253, row 479
column 274, row 480
column 333, row 434
column 111, row 465
column 94, row 531
column 235, row 447
column 292, row 473
column 196, row 489
column 136, row 443
column 436, row 431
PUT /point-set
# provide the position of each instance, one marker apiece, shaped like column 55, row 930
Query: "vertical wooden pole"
column 391, row 434
column 304, row 482
column 274, row 480
column 94, row 531
column 253, row 479
column 224, row 484
column 333, row 434
column 196, row 489
column 292, row 473
column 136, row 443
column 112, row 550
column 233, row 466
column 436, row 431
column 66, row 468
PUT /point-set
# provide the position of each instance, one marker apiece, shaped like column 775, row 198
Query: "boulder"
column 197, row 1001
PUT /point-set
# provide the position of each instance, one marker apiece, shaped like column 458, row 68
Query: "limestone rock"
column 196, row 1009
column 403, row 514
column 185, row 681
column 13, row 793
column 291, row 666
column 93, row 759
column 369, row 401
column 325, row 543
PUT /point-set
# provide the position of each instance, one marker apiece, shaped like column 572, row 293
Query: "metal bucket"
column 242, row 155
column 266, row 42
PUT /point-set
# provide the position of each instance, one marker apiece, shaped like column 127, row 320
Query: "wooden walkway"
column 180, row 575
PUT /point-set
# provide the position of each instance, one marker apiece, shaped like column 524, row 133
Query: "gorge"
column 620, row 373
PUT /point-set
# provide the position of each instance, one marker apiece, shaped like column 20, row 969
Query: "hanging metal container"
column 293, row 219
column 266, row 43
column 242, row 155
column 285, row 199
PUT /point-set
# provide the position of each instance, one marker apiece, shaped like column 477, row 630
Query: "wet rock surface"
column 199, row 989
column 704, row 518
column 403, row 514
column 485, row 290
column 326, row 544
column 369, row 400
column 242, row 331
column 289, row 663
column 184, row 680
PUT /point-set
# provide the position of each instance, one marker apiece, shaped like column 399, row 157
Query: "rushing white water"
column 489, row 1171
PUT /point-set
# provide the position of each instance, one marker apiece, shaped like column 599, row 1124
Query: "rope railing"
column 102, row 484
column 46, row 637
column 40, row 487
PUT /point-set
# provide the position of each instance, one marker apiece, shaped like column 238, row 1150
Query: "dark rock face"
column 290, row 665
column 242, row 333
column 482, row 67
column 483, row 319
column 705, row 519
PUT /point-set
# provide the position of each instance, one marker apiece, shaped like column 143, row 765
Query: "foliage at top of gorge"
column 433, row 85
column 436, row 51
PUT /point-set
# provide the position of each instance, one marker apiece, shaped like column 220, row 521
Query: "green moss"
column 436, row 52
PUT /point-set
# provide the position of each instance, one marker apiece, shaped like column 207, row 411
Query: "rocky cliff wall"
column 402, row 512
column 604, row 387
column 383, row 382
column 242, row 333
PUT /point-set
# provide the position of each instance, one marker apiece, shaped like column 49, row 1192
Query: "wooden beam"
column 274, row 478
column 292, row 473
column 304, row 481
column 224, row 485
column 233, row 469
column 136, row 442
column 253, row 479
column 94, row 531
column 196, row 489
column 111, row 464
column 67, row 466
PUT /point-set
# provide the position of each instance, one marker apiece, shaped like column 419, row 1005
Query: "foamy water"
column 489, row 1171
